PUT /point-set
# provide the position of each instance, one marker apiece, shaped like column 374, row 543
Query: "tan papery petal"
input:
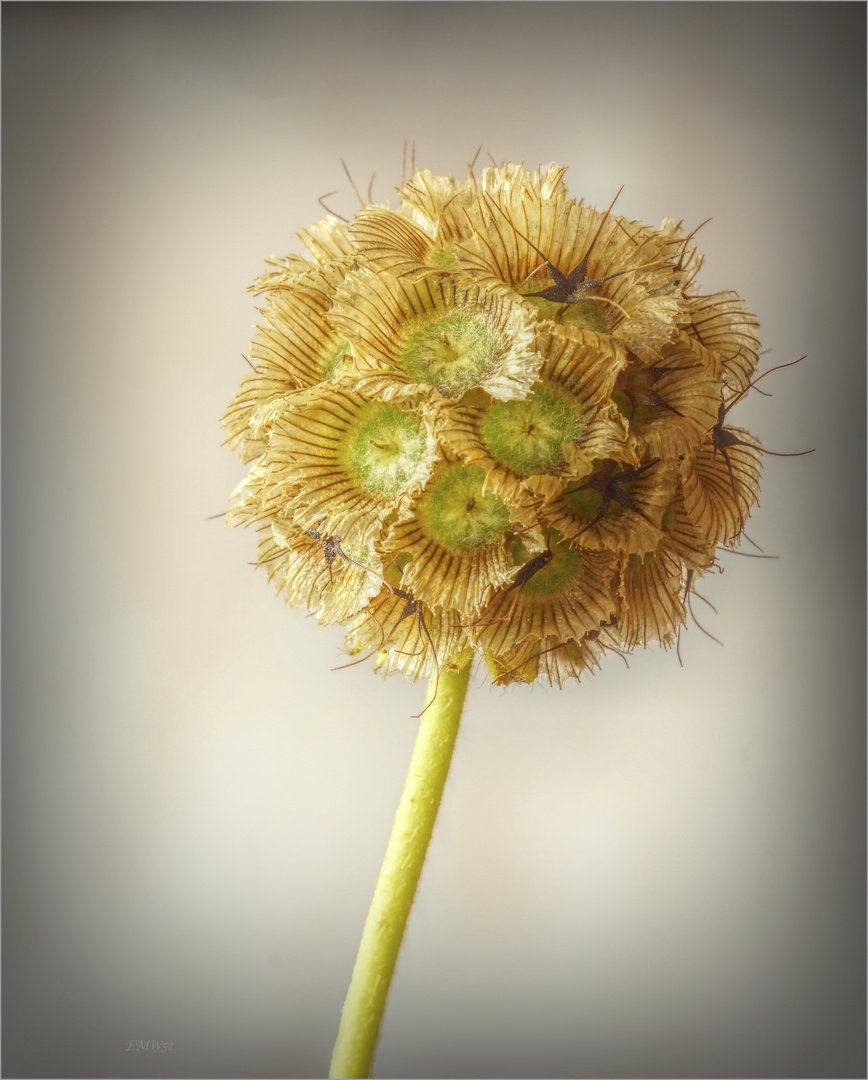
column 310, row 444
column 651, row 589
column 300, row 568
column 688, row 387
column 553, row 660
column 687, row 537
column 642, row 308
column 718, row 502
column 294, row 349
column 446, row 577
column 621, row 529
column 724, row 326
column 567, row 611
column 287, row 269
column 378, row 314
column 396, row 245
column 327, row 239
column 436, row 203
column 406, row 636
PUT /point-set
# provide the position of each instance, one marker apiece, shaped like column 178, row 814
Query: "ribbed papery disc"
column 522, row 667
column 687, row 537
column 310, row 572
column 653, row 322
column 542, row 489
column 294, row 349
column 458, row 538
column 461, row 435
column 552, row 659
column 355, row 461
column 651, row 296
column 648, row 304
column 551, row 182
column 503, row 180
column 400, row 247
column 519, row 442
column 564, row 598
column 558, row 429
column 514, row 179
column 583, row 362
column 687, row 254
column 620, row 528
column 679, row 378
column 437, row 334
column 459, row 580
column 569, row 660
column 287, row 268
column 261, row 494
column 606, row 437
column 724, row 326
column 651, row 589
column 391, row 629
column 246, row 497
column 497, row 252
column 719, row 504
column 438, row 202
column 327, row 239
column 603, row 437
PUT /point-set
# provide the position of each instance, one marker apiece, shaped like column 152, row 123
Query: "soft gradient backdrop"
column 658, row 872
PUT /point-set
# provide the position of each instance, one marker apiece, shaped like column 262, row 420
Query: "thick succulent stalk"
column 396, row 886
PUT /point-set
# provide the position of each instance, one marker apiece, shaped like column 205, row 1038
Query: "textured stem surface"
column 396, row 886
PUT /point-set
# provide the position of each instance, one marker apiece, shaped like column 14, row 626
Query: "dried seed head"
column 494, row 418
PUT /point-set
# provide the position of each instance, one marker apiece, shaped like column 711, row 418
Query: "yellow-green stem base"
column 396, row 886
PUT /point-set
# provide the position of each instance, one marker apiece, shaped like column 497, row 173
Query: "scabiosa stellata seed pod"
column 492, row 419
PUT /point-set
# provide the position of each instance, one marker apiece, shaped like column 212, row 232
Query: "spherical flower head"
column 493, row 419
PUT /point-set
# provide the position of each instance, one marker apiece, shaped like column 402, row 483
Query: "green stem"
column 396, row 886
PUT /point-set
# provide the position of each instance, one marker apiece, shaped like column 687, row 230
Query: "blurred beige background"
column 658, row 872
